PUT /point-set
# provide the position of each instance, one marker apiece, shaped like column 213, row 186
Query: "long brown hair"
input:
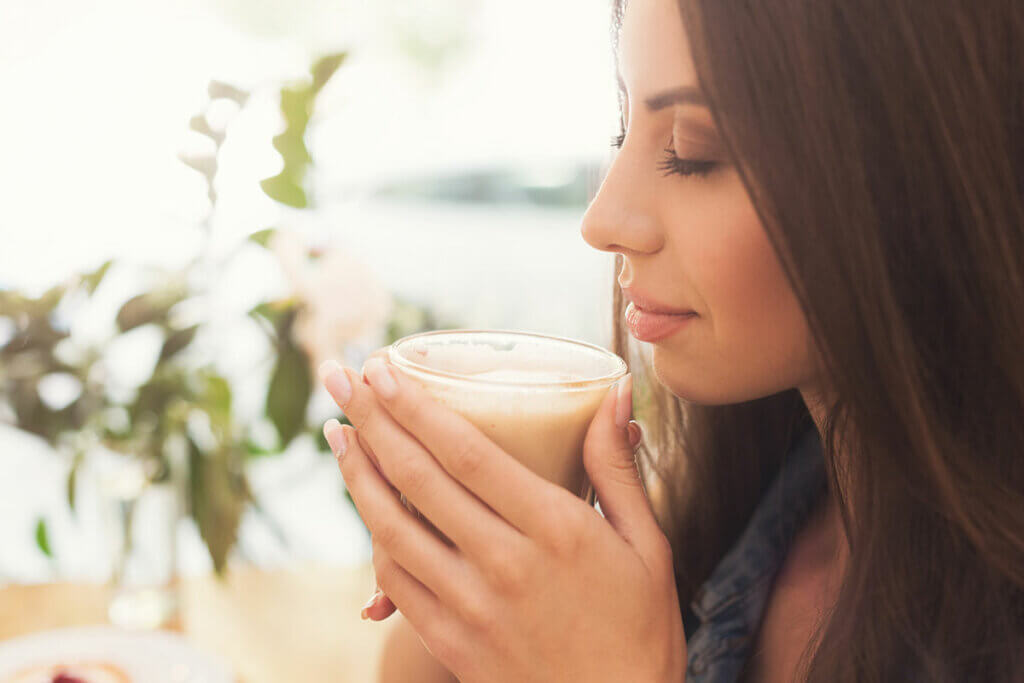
column 882, row 142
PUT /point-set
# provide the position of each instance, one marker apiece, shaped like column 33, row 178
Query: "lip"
column 648, row 305
column 651, row 327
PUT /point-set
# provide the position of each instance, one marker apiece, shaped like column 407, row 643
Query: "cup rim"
column 609, row 378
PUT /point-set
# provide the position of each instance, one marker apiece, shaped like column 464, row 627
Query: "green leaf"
column 279, row 314
column 177, row 341
column 93, row 279
column 205, row 164
column 153, row 396
column 294, row 152
column 217, row 396
column 290, row 388
column 73, row 480
column 137, row 310
column 282, row 189
column 43, row 538
column 263, row 237
column 31, row 413
column 297, row 104
column 324, row 68
column 146, row 308
column 199, row 124
column 217, row 497
column 295, row 108
column 271, row 311
column 254, row 450
column 219, row 89
column 52, row 297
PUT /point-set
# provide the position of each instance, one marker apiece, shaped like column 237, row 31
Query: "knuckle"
column 413, row 478
column 385, row 534
column 479, row 616
column 356, row 412
column 622, row 470
column 507, row 574
column 565, row 537
column 413, row 409
column 571, row 541
column 465, row 461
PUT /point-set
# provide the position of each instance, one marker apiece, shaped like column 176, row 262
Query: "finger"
column 511, row 489
column 458, row 514
column 382, row 352
column 611, row 465
column 429, row 617
column 379, row 606
column 420, row 552
column 368, row 449
column 636, row 434
column 414, row 600
column 380, row 610
column 341, row 388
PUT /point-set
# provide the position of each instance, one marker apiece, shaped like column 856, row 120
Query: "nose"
column 622, row 217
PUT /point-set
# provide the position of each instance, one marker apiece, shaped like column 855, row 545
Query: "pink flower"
column 342, row 303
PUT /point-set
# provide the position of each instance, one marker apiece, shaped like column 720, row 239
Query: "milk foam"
column 515, row 361
column 527, row 376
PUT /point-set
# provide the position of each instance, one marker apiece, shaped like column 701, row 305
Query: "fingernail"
column 380, row 378
column 335, row 436
column 335, row 380
column 636, row 434
column 624, row 403
column 378, row 594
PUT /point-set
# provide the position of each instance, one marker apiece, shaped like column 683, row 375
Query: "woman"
column 834, row 192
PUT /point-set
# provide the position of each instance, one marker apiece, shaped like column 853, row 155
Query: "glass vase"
column 143, row 520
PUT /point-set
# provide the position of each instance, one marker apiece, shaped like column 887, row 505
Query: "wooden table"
column 272, row 626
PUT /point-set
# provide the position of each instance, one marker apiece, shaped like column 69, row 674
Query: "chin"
column 684, row 383
column 708, row 387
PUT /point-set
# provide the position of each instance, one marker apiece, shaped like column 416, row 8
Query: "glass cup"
column 533, row 395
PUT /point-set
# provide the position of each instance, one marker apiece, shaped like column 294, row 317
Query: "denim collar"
column 730, row 604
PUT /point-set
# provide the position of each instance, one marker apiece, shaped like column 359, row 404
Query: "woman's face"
column 688, row 233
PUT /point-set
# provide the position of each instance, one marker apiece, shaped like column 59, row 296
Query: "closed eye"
column 685, row 167
column 672, row 164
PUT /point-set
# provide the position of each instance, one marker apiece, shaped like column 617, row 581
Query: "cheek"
column 752, row 340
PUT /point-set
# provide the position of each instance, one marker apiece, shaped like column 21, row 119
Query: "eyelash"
column 673, row 164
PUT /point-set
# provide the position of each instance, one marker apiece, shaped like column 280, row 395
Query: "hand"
column 379, row 607
column 539, row 586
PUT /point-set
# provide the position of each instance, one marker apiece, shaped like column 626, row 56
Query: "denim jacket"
column 726, row 611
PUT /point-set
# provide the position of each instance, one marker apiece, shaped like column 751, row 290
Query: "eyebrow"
column 683, row 95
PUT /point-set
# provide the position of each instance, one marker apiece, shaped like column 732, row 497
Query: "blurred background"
column 204, row 199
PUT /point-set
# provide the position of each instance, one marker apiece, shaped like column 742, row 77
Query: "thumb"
column 608, row 457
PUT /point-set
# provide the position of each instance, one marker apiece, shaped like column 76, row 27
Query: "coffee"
column 534, row 396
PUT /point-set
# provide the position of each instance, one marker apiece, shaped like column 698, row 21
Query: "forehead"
column 653, row 50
